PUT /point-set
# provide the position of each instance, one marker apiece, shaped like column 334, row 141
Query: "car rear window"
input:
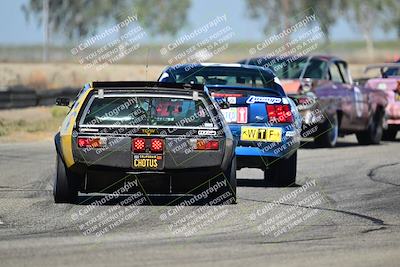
column 220, row 92
column 147, row 111
column 221, row 76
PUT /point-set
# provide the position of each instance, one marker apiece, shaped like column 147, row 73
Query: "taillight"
column 91, row 142
column 279, row 113
column 156, row 145
column 204, row 144
column 138, row 145
column 225, row 95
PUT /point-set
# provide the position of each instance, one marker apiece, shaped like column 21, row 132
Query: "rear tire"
column 373, row 134
column 229, row 176
column 330, row 129
column 63, row 189
column 231, row 180
column 389, row 134
column 282, row 172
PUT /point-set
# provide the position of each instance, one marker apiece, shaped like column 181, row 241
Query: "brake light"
column 156, row 145
column 279, row 113
column 203, row 144
column 91, row 142
column 138, row 145
column 225, row 95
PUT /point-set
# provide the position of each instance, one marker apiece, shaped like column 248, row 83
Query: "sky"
column 16, row 30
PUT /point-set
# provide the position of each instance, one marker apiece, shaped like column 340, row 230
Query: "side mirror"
column 62, row 101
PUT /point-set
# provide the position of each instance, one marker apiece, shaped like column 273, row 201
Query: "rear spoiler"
column 146, row 85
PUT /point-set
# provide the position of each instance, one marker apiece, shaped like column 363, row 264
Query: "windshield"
column 220, row 76
column 285, row 68
column 149, row 111
column 391, row 72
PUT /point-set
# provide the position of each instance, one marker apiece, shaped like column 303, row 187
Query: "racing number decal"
column 242, row 115
column 358, row 98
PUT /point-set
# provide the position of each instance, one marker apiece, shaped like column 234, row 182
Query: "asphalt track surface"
column 349, row 217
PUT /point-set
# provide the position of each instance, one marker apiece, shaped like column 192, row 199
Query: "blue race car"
column 264, row 121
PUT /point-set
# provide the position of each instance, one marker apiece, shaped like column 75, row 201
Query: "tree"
column 277, row 14
column 81, row 18
column 366, row 15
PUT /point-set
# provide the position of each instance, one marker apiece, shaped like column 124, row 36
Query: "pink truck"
column 389, row 82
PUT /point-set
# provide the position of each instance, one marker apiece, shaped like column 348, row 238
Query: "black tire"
column 374, row 132
column 330, row 133
column 389, row 134
column 230, row 177
column 282, row 172
column 63, row 189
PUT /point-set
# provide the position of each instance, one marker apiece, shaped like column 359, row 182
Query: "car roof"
column 225, row 65
column 320, row 57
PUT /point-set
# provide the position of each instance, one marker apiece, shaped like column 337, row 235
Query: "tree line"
column 77, row 19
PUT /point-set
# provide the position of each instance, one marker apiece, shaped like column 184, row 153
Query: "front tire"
column 330, row 129
column 373, row 134
column 389, row 134
column 282, row 172
column 63, row 189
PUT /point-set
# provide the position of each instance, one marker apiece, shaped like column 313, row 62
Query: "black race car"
column 163, row 138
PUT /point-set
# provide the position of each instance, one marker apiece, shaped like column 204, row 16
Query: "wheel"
column 230, row 177
column 373, row 134
column 389, row 134
column 282, row 172
column 330, row 132
column 63, row 189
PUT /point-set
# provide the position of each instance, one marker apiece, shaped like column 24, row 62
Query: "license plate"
column 261, row 134
column 148, row 161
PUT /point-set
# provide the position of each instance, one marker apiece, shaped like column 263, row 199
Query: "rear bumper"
column 108, row 180
column 275, row 150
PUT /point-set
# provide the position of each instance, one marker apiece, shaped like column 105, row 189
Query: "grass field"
column 30, row 124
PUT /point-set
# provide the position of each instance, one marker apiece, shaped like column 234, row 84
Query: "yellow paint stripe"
column 67, row 128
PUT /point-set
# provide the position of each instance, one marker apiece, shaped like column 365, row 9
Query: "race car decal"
column 148, row 131
column 206, row 132
column 263, row 99
column 231, row 100
column 358, row 101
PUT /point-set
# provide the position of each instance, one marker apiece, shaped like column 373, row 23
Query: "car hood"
column 291, row 86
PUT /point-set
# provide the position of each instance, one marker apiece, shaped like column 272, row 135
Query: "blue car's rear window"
column 153, row 111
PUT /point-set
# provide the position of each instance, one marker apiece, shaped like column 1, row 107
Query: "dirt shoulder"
column 30, row 124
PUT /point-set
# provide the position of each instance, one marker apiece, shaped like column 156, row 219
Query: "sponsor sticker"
column 206, row 132
column 231, row 100
column 263, row 99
